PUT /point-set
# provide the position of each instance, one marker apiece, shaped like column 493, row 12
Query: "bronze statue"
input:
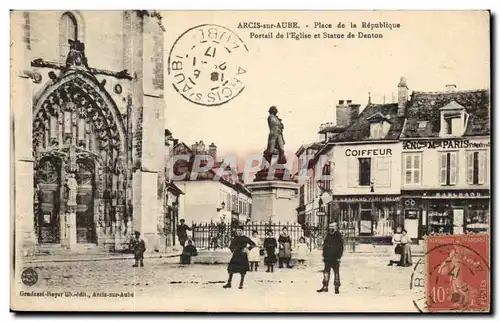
column 275, row 141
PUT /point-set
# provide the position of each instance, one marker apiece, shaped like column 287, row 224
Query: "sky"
column 306, row 78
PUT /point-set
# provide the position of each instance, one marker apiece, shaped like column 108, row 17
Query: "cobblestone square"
column 367, row 285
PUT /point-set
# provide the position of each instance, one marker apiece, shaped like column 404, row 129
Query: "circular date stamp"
column 453, row 275
column 207, row 65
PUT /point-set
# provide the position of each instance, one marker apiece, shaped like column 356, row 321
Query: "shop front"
column 367, row 216
column 449, row 212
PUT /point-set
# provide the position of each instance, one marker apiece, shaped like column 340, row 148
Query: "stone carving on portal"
column 75, row 119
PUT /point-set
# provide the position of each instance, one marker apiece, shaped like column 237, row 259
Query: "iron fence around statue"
column 218, row 236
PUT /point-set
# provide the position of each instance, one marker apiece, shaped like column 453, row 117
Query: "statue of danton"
column 275, row 141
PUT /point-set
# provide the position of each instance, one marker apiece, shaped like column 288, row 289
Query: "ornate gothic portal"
column 83, row 183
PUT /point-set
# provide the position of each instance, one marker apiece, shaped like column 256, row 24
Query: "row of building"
column 201, row 199
column 422, row 163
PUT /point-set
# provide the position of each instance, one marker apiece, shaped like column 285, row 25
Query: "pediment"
column 452, row 106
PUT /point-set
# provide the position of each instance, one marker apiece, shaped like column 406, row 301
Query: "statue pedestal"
column 274, row 200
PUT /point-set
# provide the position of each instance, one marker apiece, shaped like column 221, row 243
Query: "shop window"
column 448, row 168
column 476, row 167
column 440, row 219
column 364, row 171
column 412, row 169
column 477, row 220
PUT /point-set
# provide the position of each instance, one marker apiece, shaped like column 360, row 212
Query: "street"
column 367, row 285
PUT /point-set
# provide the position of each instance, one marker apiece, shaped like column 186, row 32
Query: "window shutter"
column 352, row 172
column 442, row 169
column 482, row 167
column 453, row 168
column 383, row 173
column 470, row 167
column 416, row 168
column 407, row 169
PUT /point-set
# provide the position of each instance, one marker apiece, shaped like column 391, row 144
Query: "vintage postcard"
column 250, row 161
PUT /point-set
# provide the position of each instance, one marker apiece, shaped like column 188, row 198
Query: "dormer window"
column 453, row 120
column 379, row 126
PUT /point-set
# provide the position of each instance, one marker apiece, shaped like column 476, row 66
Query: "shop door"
column 412, row 222
column 48, row 177
column 365, row 220
column 85, row 227
column 458, row 221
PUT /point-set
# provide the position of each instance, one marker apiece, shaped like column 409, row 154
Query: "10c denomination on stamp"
column 457, row 273
column 207, row 65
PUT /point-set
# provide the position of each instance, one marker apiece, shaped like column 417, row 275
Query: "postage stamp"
column 454, row 274
column 207, row 65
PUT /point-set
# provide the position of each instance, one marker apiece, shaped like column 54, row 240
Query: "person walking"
column 285, row 248
column 254, row 254
column 270, row 245
column 239, row 259
column 333, row 249
column 182, row 229
column 138, row 246
column 398, row 249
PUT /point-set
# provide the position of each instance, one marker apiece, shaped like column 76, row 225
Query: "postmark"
column 453, row 275
column 207, row 65
column 29, row 276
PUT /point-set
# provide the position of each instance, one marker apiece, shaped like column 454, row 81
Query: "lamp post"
column 175, row 208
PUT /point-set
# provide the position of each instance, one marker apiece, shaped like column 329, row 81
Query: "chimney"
column 354, row 111
column 451, row 87
column 402, row 96
column 212, row 151
column 346, row 113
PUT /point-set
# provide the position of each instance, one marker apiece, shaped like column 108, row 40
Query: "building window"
column 412, row 169
column 68, row 30
column 326, row 180
column 364, row 171
column 376, row 131
column 476, row 167
column 453, row 120
column 448, row 168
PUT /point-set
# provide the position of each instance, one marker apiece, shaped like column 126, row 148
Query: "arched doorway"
column 79, row 133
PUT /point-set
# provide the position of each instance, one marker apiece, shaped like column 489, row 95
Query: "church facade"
column 87, row 117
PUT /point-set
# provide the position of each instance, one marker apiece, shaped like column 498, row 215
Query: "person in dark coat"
column 239, row 260
column 138, row 246
column 333, row 249
column 270, row 245
column 187, row 252
column 182, row 229
column 285, row 248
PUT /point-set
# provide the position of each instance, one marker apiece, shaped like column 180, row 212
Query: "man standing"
column 333, row 248
column 182, row 229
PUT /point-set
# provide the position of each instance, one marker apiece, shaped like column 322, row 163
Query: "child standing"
column 301, row 252
column 138, row 247
column 270, row 245
column 254, row 254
